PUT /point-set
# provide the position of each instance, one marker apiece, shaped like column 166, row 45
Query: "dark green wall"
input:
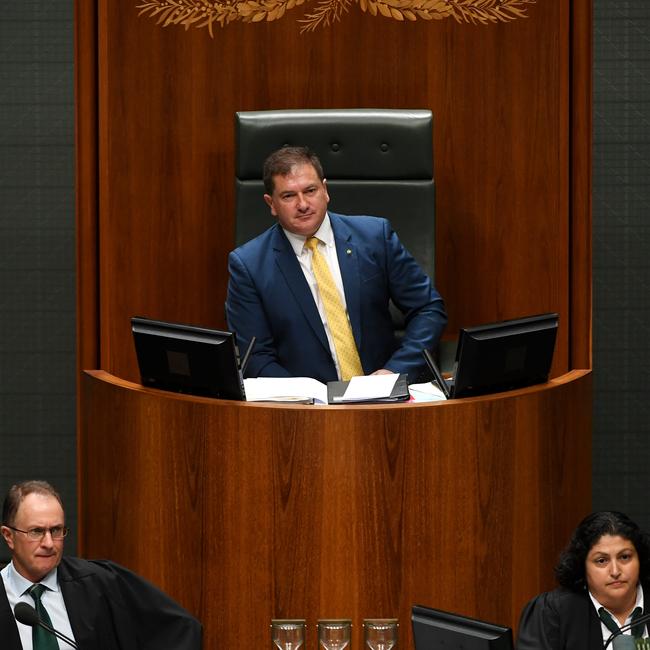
column 37, row 254
column 621, row 271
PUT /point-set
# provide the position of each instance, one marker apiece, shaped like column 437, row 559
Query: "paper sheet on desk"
column 285, row 389
column 369, row 387
column 427, row 392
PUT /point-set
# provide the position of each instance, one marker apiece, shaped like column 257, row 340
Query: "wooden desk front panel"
column 247, row 512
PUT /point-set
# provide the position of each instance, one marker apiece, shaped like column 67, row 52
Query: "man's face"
column 33, row 559
column 299, row 200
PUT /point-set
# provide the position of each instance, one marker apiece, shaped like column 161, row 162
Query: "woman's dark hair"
column 570, row 571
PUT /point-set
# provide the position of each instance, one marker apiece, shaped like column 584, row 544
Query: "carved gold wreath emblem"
column 207, row 13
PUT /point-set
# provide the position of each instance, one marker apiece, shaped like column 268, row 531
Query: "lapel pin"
column 349, row 251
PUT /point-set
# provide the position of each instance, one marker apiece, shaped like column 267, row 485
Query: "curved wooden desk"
column 245, row 512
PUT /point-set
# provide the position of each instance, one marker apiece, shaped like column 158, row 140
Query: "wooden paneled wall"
column 155, row 203
column 155, row 142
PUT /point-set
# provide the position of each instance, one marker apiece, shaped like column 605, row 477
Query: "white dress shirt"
column 639, row 603
column 16, row 587
column 327, row 248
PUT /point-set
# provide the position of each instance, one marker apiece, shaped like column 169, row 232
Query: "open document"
column 296, row 390
column 359, row 390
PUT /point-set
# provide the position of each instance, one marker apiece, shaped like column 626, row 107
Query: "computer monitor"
column 434, row 629
column 505, row 355
column 187, row 359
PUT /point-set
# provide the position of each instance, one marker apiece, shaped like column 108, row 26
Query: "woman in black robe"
column 606, row 566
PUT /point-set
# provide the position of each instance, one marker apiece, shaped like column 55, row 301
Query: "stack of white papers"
column 305, row 390
column 290, row 389
column 427, row 392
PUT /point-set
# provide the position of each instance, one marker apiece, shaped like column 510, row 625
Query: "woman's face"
column 612, row 568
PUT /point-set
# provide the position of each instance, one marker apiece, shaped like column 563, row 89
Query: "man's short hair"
column 282, row 161
column 18, row 492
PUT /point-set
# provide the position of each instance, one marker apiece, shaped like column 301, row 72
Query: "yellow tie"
column 337, row 319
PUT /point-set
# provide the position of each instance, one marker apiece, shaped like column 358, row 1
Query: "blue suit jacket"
column 268, row 297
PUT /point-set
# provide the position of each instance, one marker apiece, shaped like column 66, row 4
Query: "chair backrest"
column 377, row 162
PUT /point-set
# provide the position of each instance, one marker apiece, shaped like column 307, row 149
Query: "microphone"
column 624, row 628
column 27, row 615
column 244, row 362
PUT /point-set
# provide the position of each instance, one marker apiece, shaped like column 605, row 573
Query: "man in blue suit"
column 273, row 294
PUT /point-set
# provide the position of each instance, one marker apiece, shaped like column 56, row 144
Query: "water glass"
column 380, row 633
column 288, row 633
column 334, row 633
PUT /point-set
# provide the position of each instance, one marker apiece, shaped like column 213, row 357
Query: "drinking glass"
column 380, row 633
column 334, row 633
column 288, row 633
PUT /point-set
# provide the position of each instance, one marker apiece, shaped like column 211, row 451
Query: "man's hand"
column 383, row 371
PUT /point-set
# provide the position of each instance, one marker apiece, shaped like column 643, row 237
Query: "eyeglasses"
column 37, row 534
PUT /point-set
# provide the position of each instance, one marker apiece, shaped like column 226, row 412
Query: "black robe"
column 561, row 620
column 111, row 608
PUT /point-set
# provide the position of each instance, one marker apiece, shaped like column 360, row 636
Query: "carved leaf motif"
column 204, row 13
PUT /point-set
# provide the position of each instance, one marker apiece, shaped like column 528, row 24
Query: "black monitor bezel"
column 470, row 379
column 469, row 633
column 213, row 358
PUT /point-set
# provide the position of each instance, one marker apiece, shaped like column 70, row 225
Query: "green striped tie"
column 42, row 639
column 612, row 625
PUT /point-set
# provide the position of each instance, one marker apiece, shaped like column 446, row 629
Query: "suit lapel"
column 288, row 265
column 8, row 627
column 347, row 253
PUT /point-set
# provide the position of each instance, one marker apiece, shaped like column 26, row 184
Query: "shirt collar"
column 638, row 603
column 20, row 584
column 324, row 234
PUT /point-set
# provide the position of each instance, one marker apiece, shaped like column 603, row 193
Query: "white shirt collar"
column 324, row 233
column 638, row 603
column 20, row 584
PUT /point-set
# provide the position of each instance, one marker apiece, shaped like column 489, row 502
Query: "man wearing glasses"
column 97, row 604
